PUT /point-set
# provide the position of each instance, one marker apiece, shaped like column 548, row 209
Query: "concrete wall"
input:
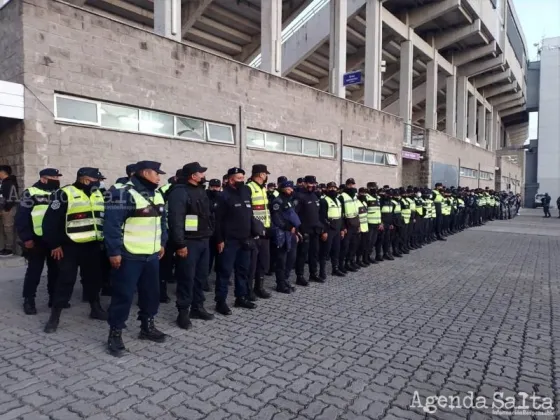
column 131, row 66
column 11, row 43
column 508, row 173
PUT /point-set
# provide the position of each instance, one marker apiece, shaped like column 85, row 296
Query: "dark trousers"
column 327, row 250
column 132, row 275
column 363, row 246
column 213, row 255
column 260, row 261
column 383, row 243
column 285, row 260
column 166, row 267
column 546, row 210
column 192, row 274
column 418, row 231
column 396, row 238
column 236, row 256
column 308, row 251
column 36, row 258
column 372, row 241
column 348, row 247
column 88, row 258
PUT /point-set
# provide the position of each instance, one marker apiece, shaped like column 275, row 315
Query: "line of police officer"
column 247, row 229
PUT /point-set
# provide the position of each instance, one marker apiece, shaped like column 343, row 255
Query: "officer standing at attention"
column 234, row 235
column 73, row 232
column 374, row 221
column 307, row 208
column 273, row 248
column 351, row 223
column 214, row 189
column 438, row 203
column 384, row 241
column 260, row 256
column 122, row 181
column 285, row 236
column 29, row 227
column 135, row 232
column 419, row 228
column 363, row 244
column 190, row 227
column 330, row 216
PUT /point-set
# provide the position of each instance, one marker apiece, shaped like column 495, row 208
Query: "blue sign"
column 352, row 78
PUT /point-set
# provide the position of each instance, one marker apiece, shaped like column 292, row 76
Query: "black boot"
column 29, row 306
column 323, row 270
column 223, row 308
column 243, row 302
column 54, row 319
column 148, row 331
column 201, row 313
column 183, row 319
column 316, row 278
column 260, row 291
column 97, row 312
column 337, row 273
column 300, row 281
column 379, row 258
column 283, row 288
column 349, row 267
column 115, row 345
column 251, row 297
column 342, row 269
column 388, row 257
column 65, row 306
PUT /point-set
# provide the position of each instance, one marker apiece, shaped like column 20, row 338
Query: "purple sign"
column 411, row 155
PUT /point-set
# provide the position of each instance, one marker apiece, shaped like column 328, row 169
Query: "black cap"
column 91, row 172
column 6, row 168
column 386, row 187
column 322, row 186
column 149, row 164
column 286, row 184
column 281, row 179
column 130, row 169
column 332, row 184
column 299, row 180
column 350, row 181
column 193, row 167
column 179, row 172
column 225, row 177
column 233, row 171
column 439, row 184
column 310, row 179
column 362, row 190
column 371, row 185
column 215, row 183
column 271, row 185
column 50, row 172
column 257, row 169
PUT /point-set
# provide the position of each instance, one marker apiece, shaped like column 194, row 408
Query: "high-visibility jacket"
column 438, row 198
column 461, row 202
column 397, row 208
column 412, row 205
column 142, row 232
column 446, row 207
column 350, row 206
column 363, row 214
column 374, row 210
column 419, row 205
column 430, row 210
column 405, row 210
column 40, row 205
column 334, row 210
column 164, row 188
column 259, row 203
column 496, row 202
column 275, row 193
column 84, row 215
column 118, row 185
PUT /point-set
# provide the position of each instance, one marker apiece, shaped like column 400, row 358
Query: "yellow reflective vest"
column 259, row 203
column 373, row 209
column 438, row 198
column 350, row 206
column 363, row 213
column 84, row 215
column 334, row 210
column 405, row 210
column 40, row 205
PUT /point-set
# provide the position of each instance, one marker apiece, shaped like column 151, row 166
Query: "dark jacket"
column 546, row 200
column 284, row 218
column 9, row 192
column 234, row 214
column 183, row 199
column 22, row 222
column 120, row 208
column 307, row 208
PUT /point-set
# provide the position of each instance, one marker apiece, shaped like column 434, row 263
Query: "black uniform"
column 349, row 245
column 330, row 248
column 213, row 260
column 383, row 243
column 307, row 208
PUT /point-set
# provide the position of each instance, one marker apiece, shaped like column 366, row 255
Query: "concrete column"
column 431, row 95
column 462, row 96
column 167, row 18
column 337, row 56
column 493, row 133
column 471, row 131
column 373, row 80
column 482, row 126
column 271, row 36
column 451, row 106
column 405, row 85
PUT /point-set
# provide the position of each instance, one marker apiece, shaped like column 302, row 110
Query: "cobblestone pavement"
column 477, row 313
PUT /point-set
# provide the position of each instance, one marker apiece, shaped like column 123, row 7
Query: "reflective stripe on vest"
column 363, row 214
column 350, row 206
column 373, row 210
column 275, row 193
column 40, row 205
column 259, row 202
column 118, row 185
column 164, row 188
column 397, row 207
column 84, row 216
column 412, row 204
column 419, row 207
column 191, row 223
column 334, row 211
column 438, row 197
column 142, row 232
column 387, row 209
column 406, row 211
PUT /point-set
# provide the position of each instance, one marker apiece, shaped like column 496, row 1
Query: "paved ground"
column 479, row 313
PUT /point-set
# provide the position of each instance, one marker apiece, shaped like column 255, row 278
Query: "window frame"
column 180, row 137
column 73, row 98
column 285, row 138
column 207, row 133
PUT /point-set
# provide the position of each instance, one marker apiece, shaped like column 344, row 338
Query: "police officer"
column 271, row 191
column 260, row 256
column 273, row 257
column 363, row 244
column 383, row 243
column 351, row 225
column 73, row 232
column 330, row 216
column 234, row 235
column 374, row 221
column 438, row 203
column 122, row 181
column 398, row 223
column 406, row 213
column 191, row 225
column 29, row 227
column 285, row 235
column 214, row 189
column 307, row 208
column 135, row 232
column 420, row 224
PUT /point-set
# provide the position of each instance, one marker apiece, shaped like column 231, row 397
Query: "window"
column 290, row 144
column 76, row 110
column 190, row 128
column 220, row 133
column 486, row 175
column 373, row 157
column 126, row 118
column 468, row 173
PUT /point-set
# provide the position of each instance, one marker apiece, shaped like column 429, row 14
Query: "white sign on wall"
column 11, row 100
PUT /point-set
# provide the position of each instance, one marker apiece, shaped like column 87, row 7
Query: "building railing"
column 414, row 136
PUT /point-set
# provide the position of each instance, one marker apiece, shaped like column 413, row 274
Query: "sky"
column 539, row 19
